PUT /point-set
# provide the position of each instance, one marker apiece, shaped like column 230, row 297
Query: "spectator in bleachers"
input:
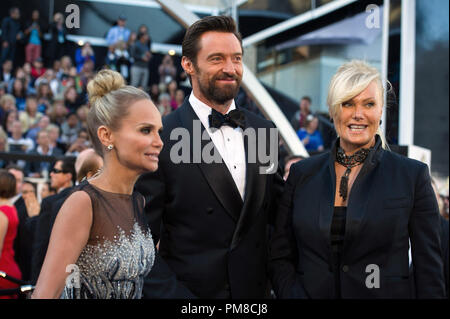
column 6, row 75
column 179, row 98
column 164, row 106
column 154, row 93
column 83, row 54
column 43, row 123
column 71, row 99
column 11, row 33
column 172, row 88
column 33, row 31
column 41, row 169
column 132, row 39
column 167, row 70
column 44, row 96
column 24, row 73
column 82, row 113
column 58, row 111
column 310, row 135
column 66, row 65
column 87, row 73
column 118, row 32
column 9, row 119
column 70, row 128
column 52, row 81
column 57, row 69
column 144, row 29
column 37, row 70
column 184, row 82
column 119, row 59
column 30, row 117
column 141, row 54
column 80, row 144
column 18, row 143
column 299, row 119
column 3, row 91
column 7, row 104
column 19, row 91
column 57, row 45
column 54, row 138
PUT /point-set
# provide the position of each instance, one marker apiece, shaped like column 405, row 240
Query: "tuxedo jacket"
column 43, row 225
column 390, row 203
column 24, row 240
column 214, row 242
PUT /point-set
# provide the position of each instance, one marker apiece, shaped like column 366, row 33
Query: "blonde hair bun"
column 105, row 81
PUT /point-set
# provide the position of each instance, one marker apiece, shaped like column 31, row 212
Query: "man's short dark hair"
column 7, row 184
column 68, row 166
column 191, row 43
column 307, row 98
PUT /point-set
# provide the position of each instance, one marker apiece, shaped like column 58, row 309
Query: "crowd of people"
column 43, row 106
column 79, row 116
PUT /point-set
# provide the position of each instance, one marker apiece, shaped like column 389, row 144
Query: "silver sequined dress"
column 120, row 251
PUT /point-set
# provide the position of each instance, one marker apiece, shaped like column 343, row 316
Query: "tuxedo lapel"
column 254, row 188
column 217, row 175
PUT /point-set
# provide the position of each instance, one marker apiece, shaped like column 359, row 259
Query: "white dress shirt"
column 228, row 141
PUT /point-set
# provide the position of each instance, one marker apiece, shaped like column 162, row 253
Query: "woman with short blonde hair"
column 347, row 216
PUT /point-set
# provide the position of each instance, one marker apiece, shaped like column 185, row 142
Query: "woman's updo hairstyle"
column 109, row 99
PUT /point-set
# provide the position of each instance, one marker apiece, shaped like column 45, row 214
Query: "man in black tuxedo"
column 24, row 238
column 210, row 205
column 62, row 178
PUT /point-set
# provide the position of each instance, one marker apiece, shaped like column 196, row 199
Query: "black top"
column 337, row 243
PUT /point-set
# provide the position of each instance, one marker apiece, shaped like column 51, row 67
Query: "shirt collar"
column 203, row 110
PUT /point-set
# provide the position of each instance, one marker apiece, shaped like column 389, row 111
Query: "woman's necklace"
column 349, row 162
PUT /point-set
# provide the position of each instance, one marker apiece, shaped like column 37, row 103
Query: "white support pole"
column 250, row 83
column 407, row 72
column 385, row 56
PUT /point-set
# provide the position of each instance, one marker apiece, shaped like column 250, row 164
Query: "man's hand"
column 32, row 204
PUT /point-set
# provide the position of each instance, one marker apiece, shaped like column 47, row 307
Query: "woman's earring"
column 110, row 147
column 381, row 122
column 331, row 120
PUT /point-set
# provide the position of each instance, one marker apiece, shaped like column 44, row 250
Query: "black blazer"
column 50, row 207
column 213, row 241
column 391, row 201
column 24, row 240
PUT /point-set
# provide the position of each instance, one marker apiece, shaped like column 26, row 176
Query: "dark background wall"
column 432, row 82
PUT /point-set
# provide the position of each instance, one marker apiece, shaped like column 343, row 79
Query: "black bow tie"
column 234, row 118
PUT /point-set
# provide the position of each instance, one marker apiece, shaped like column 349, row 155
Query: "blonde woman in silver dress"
column 99, row 233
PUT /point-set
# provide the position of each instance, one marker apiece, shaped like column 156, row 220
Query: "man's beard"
column 221, row 95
